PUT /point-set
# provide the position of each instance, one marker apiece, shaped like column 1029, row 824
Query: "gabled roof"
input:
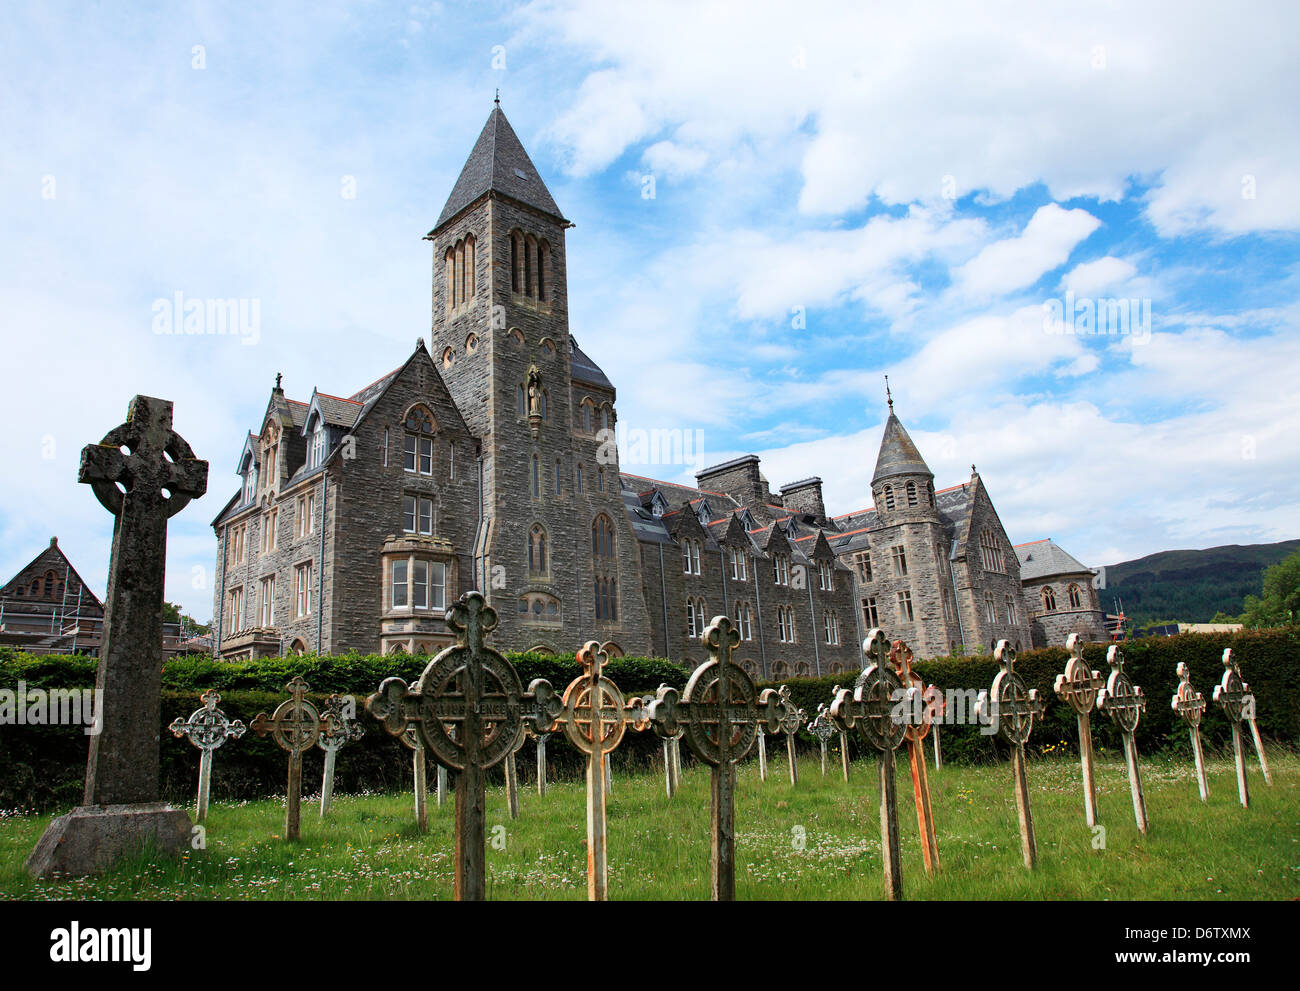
column 333, row 410
column 1043, row 559
column 498, row 163
column 54, row 550
column 898, row 454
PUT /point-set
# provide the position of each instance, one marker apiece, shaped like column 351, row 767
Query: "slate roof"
column 1043, row 559
column 495, row 165
column 898, row 454
column 338, row 412
column 584, row 369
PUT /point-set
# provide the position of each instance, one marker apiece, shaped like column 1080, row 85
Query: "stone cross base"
column 90, row 838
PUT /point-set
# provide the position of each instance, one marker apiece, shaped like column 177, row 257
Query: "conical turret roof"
column 498, row 163
column 898, row 454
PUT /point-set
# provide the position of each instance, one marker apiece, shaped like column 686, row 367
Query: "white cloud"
column 1020, row 261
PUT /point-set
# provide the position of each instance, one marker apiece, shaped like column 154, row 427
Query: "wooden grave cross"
column 1013, row 707
column 872, row 708
column 1078, row 687
column 295, row 726
column 822, row 728
column 594, row 720
column 1248, row 716
column 1123, row 702
column 208, row 728
column 918, row 726
column 792, row 717
column 339, row 727
column 468, row 708
column 720, row 712
column 1190, row 706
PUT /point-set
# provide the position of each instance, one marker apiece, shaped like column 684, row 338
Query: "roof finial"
column 497, row 100
column 277, row 381
column 889, row 395
column 972, row 469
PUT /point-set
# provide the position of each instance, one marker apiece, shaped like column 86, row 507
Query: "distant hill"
column 1191, row 586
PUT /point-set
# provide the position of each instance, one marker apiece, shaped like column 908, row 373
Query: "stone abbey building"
column 486, row 461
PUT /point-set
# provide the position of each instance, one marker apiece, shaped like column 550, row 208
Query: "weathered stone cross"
column 595, row 719
column 1013, row 707
column 471, row 690
column 917, row 728
column 208, row 728
column 1239, row 706
column 295, row 726
column 821, row 728
column 1123, row 702
column 339, row 727
column 872, row 709
column 720, row 712
column 1190, row 705
column 1078, row 687
column 143, row 472
column 792, row 717
column 420, row 774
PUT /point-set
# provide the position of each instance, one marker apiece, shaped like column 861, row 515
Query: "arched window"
column 602, row 537
column 537, row 477
column 990, row 551
column 448, row 356
column 744, row 621
column 600, row 479
column 889, row 497
column 417, row 443
column 543, row 259
column 604, row 418
column 467, row 273
column 578, row 480
column 530, row 256
column 521, row 401
column 545, row 397
column 911, row 493
column 449, row 271
column 586, row 416
column 1049, row 598
column 514, row 261
column 606, row 598
column 537, row 550
column 929, row 489
column 1076, row 597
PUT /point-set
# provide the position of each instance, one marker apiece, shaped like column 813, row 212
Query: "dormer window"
column 705, row 514
column 250, row 483
column 316, row 445
column 791, row 529
column 658, row 505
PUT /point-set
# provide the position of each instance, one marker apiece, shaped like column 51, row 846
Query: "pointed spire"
column 498, row 163
column 898, row 454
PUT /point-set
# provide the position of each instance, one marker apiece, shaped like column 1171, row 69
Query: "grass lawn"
column 659, row 849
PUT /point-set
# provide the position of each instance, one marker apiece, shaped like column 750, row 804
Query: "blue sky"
column 837, row 195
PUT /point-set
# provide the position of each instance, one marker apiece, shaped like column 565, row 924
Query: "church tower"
column 914, row 580
column 555, row 553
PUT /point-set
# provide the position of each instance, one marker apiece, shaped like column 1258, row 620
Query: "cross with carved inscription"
column 1078, row 687
column 470, row 709
column 208, row 728
column 720, row 712
column 873, row 707
column 1011, row 708
column 1123, row 702
column 143, row 473
column 594, row 720
column 900, row 655
column 295, row 726
column 1190, row 705
column 339, row 727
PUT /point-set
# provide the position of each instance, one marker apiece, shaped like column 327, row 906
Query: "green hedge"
column 1269, row 659
column 44, row 766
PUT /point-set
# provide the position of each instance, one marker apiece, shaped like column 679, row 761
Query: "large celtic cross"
column 1190, row 705
column 720, row 712
column 142, row 472
column 208, row 728
column 1078, row 687
column 295, row 726
column 874, row 708
column 1012, row 708
column 469, row 709
column 1123, row 702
